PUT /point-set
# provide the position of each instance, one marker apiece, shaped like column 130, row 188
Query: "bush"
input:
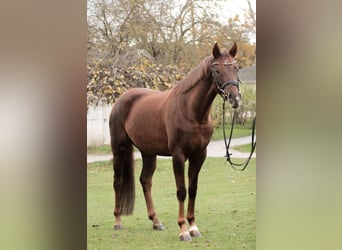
column 106, row 81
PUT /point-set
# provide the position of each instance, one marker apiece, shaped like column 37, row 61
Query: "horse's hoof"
column 194, row 231
column 158, row 227
column 185, row 236
column 118, row 226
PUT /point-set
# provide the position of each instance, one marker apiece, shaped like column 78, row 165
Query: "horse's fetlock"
column 181, row 222
column 191, row 219
column 152, row 216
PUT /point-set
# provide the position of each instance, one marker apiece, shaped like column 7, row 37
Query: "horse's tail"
column 123, row 164
column 127, row 190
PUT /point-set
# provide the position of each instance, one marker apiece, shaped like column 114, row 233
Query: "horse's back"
column 123, row 105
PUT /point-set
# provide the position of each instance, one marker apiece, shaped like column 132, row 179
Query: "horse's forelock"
column 225, row 52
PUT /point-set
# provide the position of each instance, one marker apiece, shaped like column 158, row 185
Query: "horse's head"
column 225, row 74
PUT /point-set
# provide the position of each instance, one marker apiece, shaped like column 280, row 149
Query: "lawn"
column 225, row 209
column 244, row 148
column 239, row 131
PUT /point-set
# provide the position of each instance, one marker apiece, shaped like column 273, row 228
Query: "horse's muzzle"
column 234, row 100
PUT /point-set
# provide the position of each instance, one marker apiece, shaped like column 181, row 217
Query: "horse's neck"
column 199, row 100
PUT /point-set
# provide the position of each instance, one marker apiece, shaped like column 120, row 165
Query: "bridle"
column 220, row 87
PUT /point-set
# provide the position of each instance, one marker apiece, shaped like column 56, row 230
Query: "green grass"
column 244, row 148
column 104, row 149
column 239, row 131
column 225, row 209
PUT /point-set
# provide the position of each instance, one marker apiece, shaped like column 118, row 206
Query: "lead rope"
column 227, row 144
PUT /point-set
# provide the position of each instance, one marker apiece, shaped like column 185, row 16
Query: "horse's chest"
column 201, row 137
column 192, row 139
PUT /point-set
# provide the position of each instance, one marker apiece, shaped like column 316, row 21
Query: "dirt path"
column 215, row 149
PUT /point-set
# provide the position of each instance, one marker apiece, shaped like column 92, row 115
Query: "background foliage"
column 153, row 43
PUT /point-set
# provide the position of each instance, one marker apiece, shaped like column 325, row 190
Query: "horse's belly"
column 148, row 139
column 146, row 129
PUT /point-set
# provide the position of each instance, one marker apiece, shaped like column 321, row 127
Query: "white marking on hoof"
column 185, row 236
column 118, row 227
column 158, row 227
column 194, row 231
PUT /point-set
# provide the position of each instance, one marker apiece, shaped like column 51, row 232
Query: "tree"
column 250, row 25
column 144, row 36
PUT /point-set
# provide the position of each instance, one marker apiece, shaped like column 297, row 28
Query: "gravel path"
column 215, row 149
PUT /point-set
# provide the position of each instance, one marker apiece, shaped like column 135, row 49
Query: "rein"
column 220, row 89
column 227, row 144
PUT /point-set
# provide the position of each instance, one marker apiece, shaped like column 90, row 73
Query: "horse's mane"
column 199, row 72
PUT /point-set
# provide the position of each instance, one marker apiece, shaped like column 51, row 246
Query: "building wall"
column 248, row 74
column 98, row 125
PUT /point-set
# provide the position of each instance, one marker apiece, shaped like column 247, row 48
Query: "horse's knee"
column 181, row 194
column 192, row 192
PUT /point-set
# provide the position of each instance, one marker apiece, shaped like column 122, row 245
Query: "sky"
column 235, row 6
column 231, row 8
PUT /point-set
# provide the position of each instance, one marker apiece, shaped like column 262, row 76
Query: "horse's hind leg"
column 149, row 166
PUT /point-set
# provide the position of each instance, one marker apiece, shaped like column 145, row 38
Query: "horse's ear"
column 233, row 50
column 216, row 51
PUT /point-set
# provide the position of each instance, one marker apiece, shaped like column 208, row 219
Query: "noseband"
column 220, row 87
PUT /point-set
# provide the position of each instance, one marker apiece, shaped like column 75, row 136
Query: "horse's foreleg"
column 149, row 166
column 178, row 169
column 195, row 164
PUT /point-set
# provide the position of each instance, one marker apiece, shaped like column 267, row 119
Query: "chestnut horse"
column 175, row 123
